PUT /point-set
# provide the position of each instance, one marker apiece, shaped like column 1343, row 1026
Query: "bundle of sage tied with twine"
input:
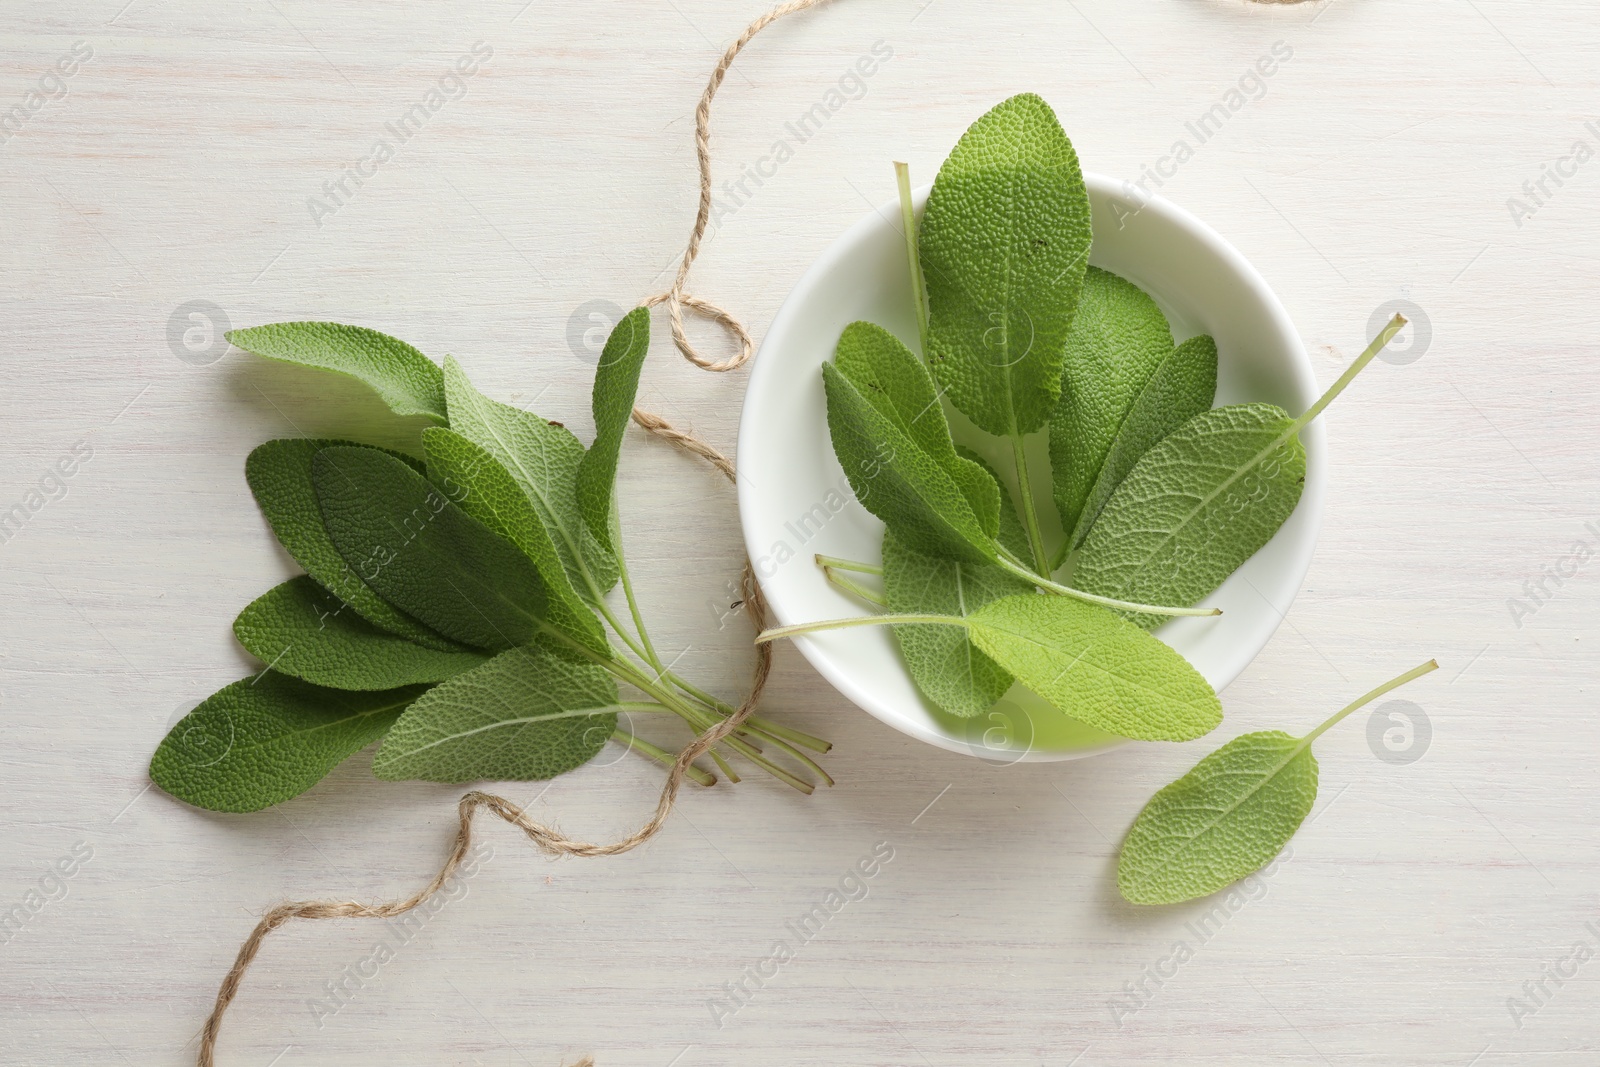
column 546, row 838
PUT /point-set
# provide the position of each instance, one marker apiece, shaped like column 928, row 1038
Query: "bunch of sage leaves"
column 453, row 606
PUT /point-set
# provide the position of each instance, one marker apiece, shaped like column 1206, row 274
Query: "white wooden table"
column 1375, row 166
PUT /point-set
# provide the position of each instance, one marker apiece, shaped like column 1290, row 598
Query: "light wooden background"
column 1375, row 168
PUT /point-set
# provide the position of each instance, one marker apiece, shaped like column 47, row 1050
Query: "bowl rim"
column 1300, row 370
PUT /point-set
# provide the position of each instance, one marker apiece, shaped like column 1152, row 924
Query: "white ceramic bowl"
column 794, row 500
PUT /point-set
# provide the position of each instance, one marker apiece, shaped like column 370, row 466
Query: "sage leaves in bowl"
column 1050, row 473
column 457, row 606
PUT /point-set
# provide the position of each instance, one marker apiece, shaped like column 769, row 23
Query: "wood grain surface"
column 183, row 161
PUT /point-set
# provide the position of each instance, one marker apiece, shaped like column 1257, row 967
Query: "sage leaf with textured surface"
column 897, row 481
column 898, row 384
column 1194, row 508
column 1231, row 814
column 524, row 715
column 616, row 383
column 485, row 490
column 424, row 554
column 544, row 459
column 408, row 381
column 942, row 660
column 300, row 629
column 1096, row 667
column 1004, row 241
column 1183, row 386
column 279, row 474
column 1117, row 340
column 265, row 739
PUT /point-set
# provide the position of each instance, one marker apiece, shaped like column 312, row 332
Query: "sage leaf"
column 1117, row 340
column 616, row 383
column 898, row 385
column 485, row 490
column 1194, row 508
column 526, row 714
column 1183, row 386
column 897, row 481
column 279, row 474
column 544, row 459
column 424, row 554
column 1003, row 244
column 1095, row 667
column 265, row 739
column 408, row 381
column 1012, row 536
column 301, row 630
column 946, row 666
column 1231, row 814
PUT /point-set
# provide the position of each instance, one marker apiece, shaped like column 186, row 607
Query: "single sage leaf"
column 1232, row 813
column 408, row 381
column 279, row 474
column 1096, row 667
column 616, row 383
column 301, row 630
column 424, row 554
column 1183, row 386
column 1223, row 820
column 485, row 490
column 942, row 660
column 544, row 459
column 524, row 715
column 1012, row 536
column 1118, row 339
column 898, row 384
column 1003, row 244
column 265, row 739
column 1194, row 508
column 897, row 481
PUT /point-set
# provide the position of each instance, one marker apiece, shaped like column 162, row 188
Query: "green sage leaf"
column 1096, row 667
column 1194, row 508
column 265, row 739
column 898, row 385
column 616, row 383
column 424, row 554
column 301, row 630
column 544, row 459
column 279, row 474
column 897, row 481
column 408, row 381
column 485, row 490
column 1183, row 386
column 947, row 667
column 526, row 714
column 1118, row 339
column 1004, row 242
column 1226, row 818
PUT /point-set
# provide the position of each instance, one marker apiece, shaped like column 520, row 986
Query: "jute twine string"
column 548, row 839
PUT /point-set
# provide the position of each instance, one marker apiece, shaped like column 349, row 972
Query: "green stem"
column 1378, row 343
column 860, row 620
column 854, row 588
column 847, row 564
column 716, row 757
column 661, row 754
column 795, row 753
column 633, row 609
column 1367, row 698
column 908, row 223
column 1030, row 515
column 772, row 729
column 1094, row 598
